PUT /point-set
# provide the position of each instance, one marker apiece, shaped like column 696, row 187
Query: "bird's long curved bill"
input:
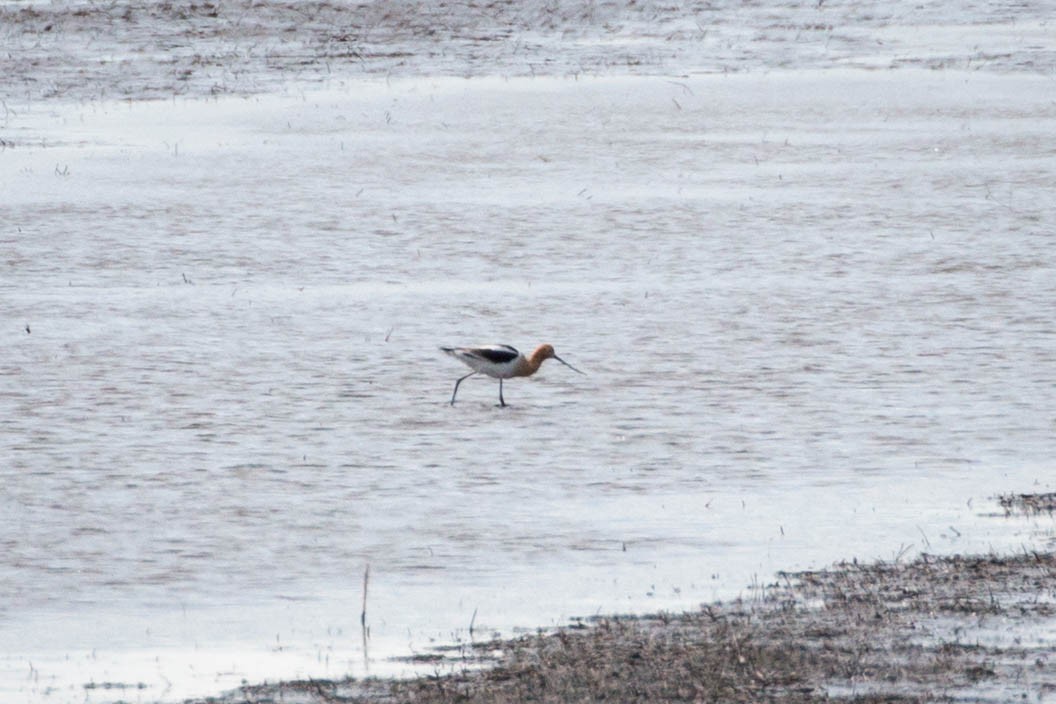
column 568, row 365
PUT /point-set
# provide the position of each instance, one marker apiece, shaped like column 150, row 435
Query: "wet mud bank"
column 938, row 628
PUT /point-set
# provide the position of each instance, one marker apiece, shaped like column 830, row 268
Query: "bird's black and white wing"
column 496, row 354
column 485, row 357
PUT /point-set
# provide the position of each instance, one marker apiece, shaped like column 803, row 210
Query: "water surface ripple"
column 814, row 309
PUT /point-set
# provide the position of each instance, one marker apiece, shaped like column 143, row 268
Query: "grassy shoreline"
column 939, row 628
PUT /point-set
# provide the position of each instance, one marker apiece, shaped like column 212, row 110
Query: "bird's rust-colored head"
column 544, row 352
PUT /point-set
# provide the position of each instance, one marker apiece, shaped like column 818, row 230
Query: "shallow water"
column 814, row 309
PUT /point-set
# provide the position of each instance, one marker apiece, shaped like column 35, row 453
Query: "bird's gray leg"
column 456, row 386
column 501, row 401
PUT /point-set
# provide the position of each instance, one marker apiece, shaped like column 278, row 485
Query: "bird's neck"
column 534, row 361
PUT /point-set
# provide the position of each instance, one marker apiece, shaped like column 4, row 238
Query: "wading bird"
column 501, row 362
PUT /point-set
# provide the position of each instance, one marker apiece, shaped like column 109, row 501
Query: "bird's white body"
column 496, row 361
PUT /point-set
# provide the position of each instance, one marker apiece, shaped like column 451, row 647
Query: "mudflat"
column 129, row 50
column 953, row 628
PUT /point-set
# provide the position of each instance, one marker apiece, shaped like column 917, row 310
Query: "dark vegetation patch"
column 1028, row 504
column 149, row 50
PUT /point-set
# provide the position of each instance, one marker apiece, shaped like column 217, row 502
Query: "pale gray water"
column 815, row 310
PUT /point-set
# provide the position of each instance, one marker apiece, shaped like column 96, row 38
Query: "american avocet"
column 501, row 362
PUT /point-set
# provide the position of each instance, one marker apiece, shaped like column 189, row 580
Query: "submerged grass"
column 879, row 632
column 1028, row 504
